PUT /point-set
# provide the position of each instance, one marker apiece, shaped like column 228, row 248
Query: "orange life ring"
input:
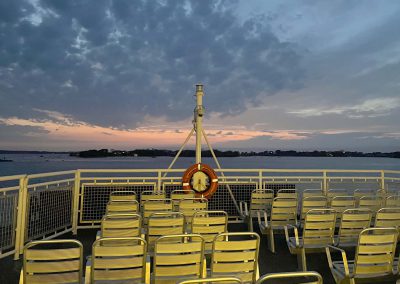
column 209, row 172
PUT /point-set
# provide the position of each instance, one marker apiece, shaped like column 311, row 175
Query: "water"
column 35, row 163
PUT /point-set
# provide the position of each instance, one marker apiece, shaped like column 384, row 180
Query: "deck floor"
column 282, row 261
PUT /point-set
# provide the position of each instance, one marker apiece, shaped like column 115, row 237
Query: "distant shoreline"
column 102, row 153
column 229, row 153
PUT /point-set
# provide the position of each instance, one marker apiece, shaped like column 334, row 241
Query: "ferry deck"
column 71, row 205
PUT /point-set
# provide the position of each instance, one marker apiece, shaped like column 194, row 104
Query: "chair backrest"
column 393, row 201
column 45, row 264
column 209, row 224
column 122, row 207
column 151, row 194
column 118, row 259
column 123, row 195
column 179, row 194
column 312, row 192
column 372, row 202
column 189, row 206
column 160, row 224
column 332, row 193
column 313, row 277
column 183, row 259
column 156, row 206
column 261, row 199
column 358, row 193
column 212, row 280
column 283, row 212
column 342, row 203
column 388, row 217
column 121, row 225
column 235, row 254
column 375, row 252
column 313, row 202
column 353, row 221
column 319, row 228
column 287, row 193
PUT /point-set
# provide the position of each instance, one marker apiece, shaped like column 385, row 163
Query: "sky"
column 121, row 74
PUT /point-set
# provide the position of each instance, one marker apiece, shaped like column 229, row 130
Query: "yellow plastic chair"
column 122, row 207
column 213, row 280
column 177, row 258
column 261, row 199
column 312, row 192
column 283, row 212
column 388, row 217
column 334, row 192
column 318, row 232
column 118, row 260
column 121, row 225
column 178, row 194
column 44, row 264
column 342, row 203
column 189, row 206
column 209, row 224
column 151, row 195
column 287, row 193
column 312, row 202
column 155, row 206
column 393, row 201
column 236, row 254
column 166, row 223
column 123, row 195
column 373, row 261
column 358, row 193
column 316, row 278
column 353, row 222
column 372, row 202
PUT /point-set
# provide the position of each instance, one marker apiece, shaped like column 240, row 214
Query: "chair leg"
column 271, row 241
column 251, row 229
column 301, row 260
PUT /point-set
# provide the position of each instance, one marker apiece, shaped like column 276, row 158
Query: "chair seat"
column 292, row 244
column 338, row 266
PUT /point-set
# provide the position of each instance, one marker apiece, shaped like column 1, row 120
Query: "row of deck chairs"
column 177, row 258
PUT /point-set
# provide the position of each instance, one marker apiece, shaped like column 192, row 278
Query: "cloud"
column 369, row 108
column 113, row 62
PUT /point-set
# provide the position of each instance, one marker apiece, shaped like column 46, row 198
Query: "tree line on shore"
column 228, row 153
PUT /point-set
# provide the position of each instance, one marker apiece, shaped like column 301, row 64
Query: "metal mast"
column 198, row 120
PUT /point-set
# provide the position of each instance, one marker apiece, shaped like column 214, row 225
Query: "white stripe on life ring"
column 185, row 184
column 199, row 166
column 214, row 180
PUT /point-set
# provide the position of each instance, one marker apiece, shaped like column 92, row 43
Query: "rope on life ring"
column 209, row 172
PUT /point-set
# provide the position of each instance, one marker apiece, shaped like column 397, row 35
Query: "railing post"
column 21, row 217
column 325, row 182
column 159, row 181
column 383, row 180
column 260, row 179
column 75, row 207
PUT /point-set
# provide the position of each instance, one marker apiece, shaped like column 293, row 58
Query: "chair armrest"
column 98, row 235
column 344, row 259
column 259, row 213
column 296, row 234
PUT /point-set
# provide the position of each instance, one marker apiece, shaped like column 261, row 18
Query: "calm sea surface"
column 28, row 164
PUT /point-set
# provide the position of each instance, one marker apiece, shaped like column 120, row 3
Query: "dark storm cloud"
column 113, row 62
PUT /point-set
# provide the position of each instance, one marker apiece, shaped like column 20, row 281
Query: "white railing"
column 43, row 206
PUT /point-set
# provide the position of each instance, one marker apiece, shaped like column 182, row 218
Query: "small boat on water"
column 5, row 160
